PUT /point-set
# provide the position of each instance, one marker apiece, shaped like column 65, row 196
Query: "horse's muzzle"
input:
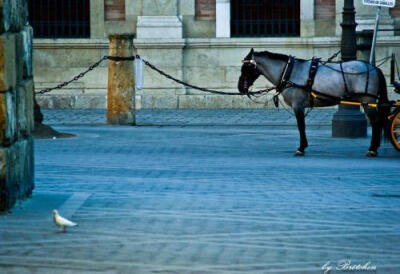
column 243, row 85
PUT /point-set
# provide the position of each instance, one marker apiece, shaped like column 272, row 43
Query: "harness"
column 285, row 83
column 286, row 73
column 311, row 77
column 314, row 65
column 285, row 78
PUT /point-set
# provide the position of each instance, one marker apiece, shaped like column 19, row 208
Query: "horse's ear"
column 250, row 55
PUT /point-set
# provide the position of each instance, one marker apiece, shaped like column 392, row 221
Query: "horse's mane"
column 276, row 56
column 272, row 55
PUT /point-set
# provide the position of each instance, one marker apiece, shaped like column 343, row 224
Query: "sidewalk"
column 204, row 199
column 259, row 117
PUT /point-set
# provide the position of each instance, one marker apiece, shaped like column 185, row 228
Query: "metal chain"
column 331, row 58
column 204, row 89
column 130, row 58
column 77, row 77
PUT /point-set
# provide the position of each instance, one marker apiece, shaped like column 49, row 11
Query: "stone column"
column 16, row 104
column 223, row 19
column 97, row 19
column 307, row 23
column 159, row 40
column 121, row 84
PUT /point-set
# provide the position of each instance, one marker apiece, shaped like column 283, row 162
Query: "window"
column 265, row 18
column 60, row 18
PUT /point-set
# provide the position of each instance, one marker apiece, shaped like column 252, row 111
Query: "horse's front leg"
column 301, row 125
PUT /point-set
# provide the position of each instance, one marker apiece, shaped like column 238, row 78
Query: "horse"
column 311, row 83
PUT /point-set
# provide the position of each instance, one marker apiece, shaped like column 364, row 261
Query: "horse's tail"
column 383, row 104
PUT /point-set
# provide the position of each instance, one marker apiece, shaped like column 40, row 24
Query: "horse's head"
column 249, row 74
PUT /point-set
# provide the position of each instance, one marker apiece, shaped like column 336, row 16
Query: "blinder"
column 249, row 68
column 250, row 73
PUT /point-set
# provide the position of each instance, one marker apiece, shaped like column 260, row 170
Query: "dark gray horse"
column 353, row 80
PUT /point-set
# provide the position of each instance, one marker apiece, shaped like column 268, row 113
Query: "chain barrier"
column 147, row 63
column 77, row 77
column 131, row 58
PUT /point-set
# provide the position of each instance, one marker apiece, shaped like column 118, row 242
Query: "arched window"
column 265, row 18
column 60, row 18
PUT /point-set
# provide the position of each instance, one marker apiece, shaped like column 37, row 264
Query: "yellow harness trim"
column 357, row 104
column 352, row 103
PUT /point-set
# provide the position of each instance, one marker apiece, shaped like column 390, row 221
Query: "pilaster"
column 159, row 40
column 96, row 18
column 223, row 18
column 307, row 23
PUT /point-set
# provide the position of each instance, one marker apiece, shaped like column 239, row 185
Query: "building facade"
column 199, row 41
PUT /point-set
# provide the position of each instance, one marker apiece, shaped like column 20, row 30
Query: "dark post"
column 348, row 121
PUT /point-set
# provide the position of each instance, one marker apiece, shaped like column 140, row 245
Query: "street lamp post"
column 348, row 121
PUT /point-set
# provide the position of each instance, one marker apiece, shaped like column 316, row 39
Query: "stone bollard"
column 121, row 83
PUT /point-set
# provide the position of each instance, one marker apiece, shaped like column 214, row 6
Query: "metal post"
column 121, row 84
column 372, row 57
column 348, row 121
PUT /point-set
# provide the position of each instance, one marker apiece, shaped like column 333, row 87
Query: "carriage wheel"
column 395, row 131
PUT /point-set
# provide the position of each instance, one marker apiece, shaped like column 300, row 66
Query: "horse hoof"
column 299, row 153
column 371, row 153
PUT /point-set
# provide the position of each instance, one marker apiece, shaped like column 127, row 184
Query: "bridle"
column 285, row 76
column 251, row 61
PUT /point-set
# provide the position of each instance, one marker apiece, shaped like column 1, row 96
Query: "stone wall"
column 324, row 14
column 16, row 103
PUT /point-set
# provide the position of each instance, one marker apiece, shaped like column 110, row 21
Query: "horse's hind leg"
column 301, row 125
column 376, row 125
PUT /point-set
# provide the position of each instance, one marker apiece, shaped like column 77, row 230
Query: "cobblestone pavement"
column 197, row 117
column 195, row 199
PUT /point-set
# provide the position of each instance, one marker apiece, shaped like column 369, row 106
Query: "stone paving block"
column 8, row 121
column 27, row 38
column 191, row 101
column 204, row 77
column 8, row 189
column 244, row 102
column 4, row 15
column 13, row 15
column 91, row 101
column 16, row 172
column 57, row 101
column 159, row 101
column 218, row 101
column 154, row 80
column 25, row 167
column 19, row 56
column 24, row 98
column 18, row 14
column 8, row 76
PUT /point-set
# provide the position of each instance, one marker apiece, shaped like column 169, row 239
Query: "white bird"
column 61, row 222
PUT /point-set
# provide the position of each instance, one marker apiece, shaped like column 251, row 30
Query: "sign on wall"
column 383, row 3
